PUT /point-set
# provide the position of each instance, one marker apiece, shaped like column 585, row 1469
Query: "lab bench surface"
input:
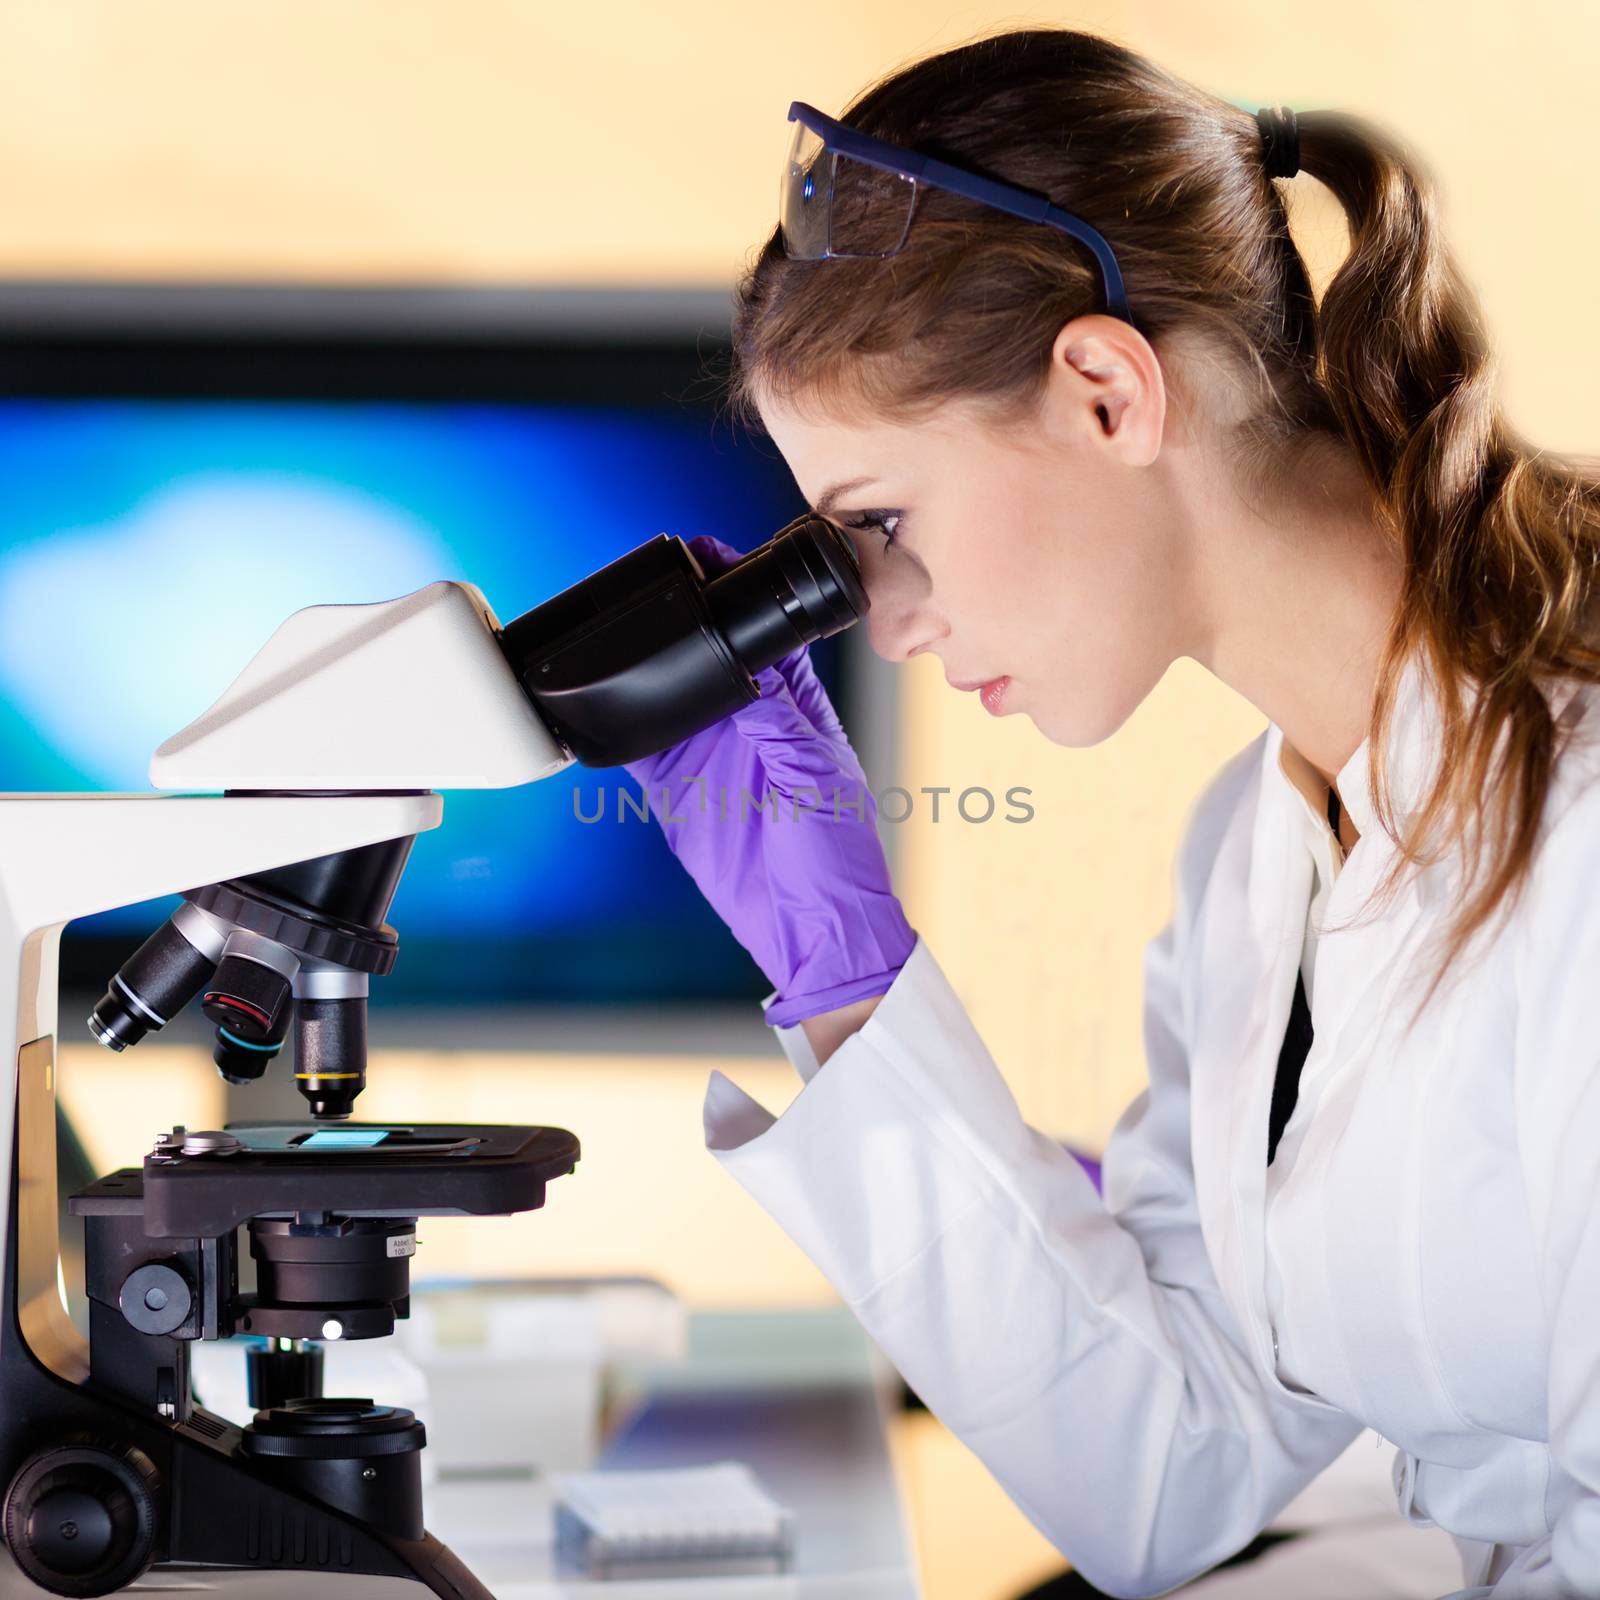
column 801, row 1398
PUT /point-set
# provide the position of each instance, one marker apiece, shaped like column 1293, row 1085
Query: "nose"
column 903, row 619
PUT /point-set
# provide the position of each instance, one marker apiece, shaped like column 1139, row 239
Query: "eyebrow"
column 834, row 493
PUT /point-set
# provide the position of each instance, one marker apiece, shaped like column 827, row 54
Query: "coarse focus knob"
column 81, row 1519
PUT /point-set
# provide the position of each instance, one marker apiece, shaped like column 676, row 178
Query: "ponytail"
column 1499, row 541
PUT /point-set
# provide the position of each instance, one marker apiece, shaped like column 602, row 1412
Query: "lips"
column 992, row 691
column 993, row 695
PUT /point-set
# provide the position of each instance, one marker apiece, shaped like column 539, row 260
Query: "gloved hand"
column 771, row 814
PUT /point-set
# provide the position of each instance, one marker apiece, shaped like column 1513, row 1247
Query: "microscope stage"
column 208, row 1184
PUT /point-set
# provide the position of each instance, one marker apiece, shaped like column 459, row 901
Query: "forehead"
column 825, row 447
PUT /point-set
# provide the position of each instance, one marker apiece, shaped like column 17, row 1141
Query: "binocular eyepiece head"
column 651, row 649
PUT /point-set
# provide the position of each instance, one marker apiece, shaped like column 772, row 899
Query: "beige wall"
column 495, row 141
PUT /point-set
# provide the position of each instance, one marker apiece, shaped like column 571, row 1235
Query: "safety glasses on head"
column 846, row 194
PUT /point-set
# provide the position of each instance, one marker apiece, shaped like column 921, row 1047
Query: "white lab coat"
column 1113, row 1362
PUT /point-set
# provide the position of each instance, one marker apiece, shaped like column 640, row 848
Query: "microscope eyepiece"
column 648, row 651
column 801, row 586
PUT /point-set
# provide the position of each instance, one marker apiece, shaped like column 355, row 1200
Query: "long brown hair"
column 1499, row 540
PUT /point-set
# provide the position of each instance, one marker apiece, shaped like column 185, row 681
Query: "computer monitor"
column 180, row 468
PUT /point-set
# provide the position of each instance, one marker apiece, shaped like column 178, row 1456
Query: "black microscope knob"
column 81, row 1519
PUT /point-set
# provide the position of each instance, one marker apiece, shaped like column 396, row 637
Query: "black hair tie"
column 1280, row 141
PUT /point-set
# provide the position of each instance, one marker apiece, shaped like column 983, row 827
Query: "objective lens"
column 241, row 1062
column 252, row 994
column 158, row 980
column 330, row 1046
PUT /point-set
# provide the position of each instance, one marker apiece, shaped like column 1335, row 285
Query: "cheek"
column 1098, row 557
column 1067, row 594
column 1019, row 566
column 996, row 561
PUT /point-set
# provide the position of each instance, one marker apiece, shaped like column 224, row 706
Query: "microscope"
column 298, row 796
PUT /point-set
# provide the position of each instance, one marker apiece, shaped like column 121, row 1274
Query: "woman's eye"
column 885, row 522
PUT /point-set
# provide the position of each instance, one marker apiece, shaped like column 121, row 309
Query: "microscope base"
column 251, row 1583
column 224, row 1526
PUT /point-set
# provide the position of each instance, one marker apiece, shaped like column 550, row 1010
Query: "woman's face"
column 1049, row 551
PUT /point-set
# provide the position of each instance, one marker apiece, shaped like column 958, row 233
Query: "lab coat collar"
column 1415, row 733
column 1416, row 737
column 1277, row 894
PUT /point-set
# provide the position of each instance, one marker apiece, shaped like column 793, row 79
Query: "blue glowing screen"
column 149, row 547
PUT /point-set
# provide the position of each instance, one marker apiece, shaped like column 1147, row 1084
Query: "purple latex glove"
column 1091, row 1165
column 770, row 813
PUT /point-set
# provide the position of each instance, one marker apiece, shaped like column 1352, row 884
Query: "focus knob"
column 81, row 1519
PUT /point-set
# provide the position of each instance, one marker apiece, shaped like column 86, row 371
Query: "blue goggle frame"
column 919, row 169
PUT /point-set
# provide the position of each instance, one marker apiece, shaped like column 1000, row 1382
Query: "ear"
column 1105, row 377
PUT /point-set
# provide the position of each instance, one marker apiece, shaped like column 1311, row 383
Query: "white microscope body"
column 382, row 703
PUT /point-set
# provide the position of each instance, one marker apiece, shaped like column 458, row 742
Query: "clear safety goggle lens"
column 803, row 197
column 831, row 205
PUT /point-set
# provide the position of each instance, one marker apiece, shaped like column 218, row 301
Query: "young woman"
column 1076, row 441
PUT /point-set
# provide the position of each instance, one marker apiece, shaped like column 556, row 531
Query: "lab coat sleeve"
column 1557, row 1065
column 794, row 1044
column 1081, row 1348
